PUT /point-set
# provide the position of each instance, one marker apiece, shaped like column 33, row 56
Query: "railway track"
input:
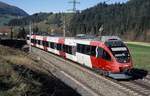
column 125, row 88
column 49, row 67
column 137, row 87
column 140, row 87
column 148, row 77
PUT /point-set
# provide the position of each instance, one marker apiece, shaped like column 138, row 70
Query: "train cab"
column 119, row 60
column 121, row 54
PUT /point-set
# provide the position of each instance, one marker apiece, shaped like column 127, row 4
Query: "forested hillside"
column 4, row 19
column 130, row 20
column 35, row 18
column 9, row 12
column 44, row 22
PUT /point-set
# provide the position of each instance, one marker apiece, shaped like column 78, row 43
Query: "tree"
column 35, row 30
column 22, row 33
column 130, row 18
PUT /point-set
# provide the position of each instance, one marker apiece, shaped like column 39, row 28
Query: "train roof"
column 88, row 38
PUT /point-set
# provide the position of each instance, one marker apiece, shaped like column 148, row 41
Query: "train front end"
column 121, row 59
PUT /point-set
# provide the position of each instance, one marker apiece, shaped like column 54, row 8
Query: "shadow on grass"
column 13, row 43
column 4, row 86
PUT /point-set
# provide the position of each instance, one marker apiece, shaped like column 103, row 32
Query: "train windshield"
column 119, row 50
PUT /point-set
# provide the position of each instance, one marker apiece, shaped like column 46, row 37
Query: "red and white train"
column 107, row 53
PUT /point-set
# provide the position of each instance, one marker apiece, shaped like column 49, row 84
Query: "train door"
column 100, row 62
column 86, row 56
column 79, row 54
column 93, row 57
column 45, row 43
column 107, row 59
column 61, row 46
column 74, row 49
column 83, row 55
column 103, row 58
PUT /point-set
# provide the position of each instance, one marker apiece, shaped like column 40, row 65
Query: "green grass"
column 140, row 55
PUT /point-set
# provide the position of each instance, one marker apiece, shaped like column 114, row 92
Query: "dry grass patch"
column 4, row 51
column 14, row 56
column 19, row 60
column 5, row 69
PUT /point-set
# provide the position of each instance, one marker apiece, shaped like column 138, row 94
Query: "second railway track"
column 99, row 84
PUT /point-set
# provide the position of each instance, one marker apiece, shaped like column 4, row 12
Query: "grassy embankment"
column 140, row 55
column 12, row 81
column 19, row 78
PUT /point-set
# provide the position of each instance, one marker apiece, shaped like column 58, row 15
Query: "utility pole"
column 64, row 27
column 11, row 33
column 30, row 33
column 101, row 29
column 74, row 2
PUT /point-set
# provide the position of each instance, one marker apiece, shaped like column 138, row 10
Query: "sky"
column 36, row 6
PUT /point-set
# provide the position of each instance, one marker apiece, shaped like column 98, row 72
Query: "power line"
column 107, row 1
column 74, row 2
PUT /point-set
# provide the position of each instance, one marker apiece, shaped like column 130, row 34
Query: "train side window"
column 64, row 48
column 39, row 42
column 55, row 45
column 36, row 41
column 106, row 56
column 58, row 46
column 28, row 38
column 93, row 50
column 70, row 49
column 61, row 47
column 31, row 41
column 43, row 43
column 52, row 45
column 46, row 43
column 67, row 49
column 79, row 48
column 99, row 52
column 87, row 50
column 82, row 49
